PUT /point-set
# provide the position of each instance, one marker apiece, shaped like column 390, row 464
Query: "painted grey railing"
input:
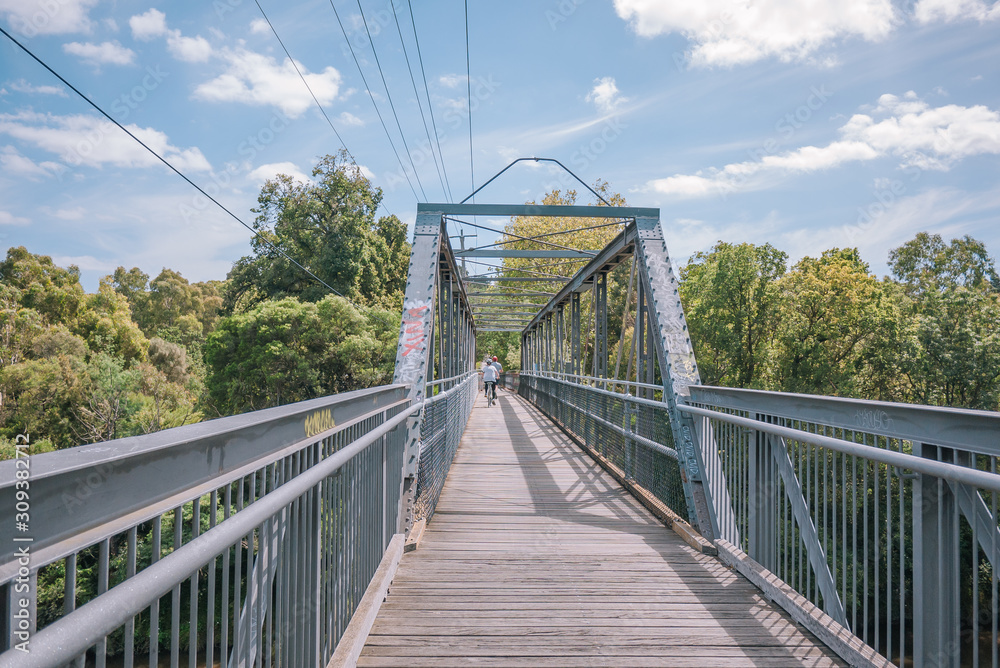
column 631, row 433
column 883, row 515
column 241, row 541
column 444, row 418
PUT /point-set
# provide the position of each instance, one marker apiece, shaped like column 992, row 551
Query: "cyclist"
column 490, row 381
column 496, row 365
column 486, row 362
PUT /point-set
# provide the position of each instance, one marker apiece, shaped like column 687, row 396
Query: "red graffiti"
column 417, row 312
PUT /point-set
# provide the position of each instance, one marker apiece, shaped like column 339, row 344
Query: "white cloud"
column 926, row 137
column 189, row 49
column 367, row 173
column 84, row 262
column 91, row 141
column 267, row 172
column 928, row 11
column 452, row 80
column 76, row 213
column 259, row 27
column 153, row 23
column 253, row 78
column 605, row 95
column 723, row 32
column 111, row 53
column 917, row 134
column 7, row 218
column 45, row 17
column 149, row 25
column 15, row 163
column 22, row 86
column 347, row 118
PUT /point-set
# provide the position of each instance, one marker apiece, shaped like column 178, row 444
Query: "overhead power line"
column 420, row 107
column 372, row 98
column 468, row 85
column 315, row 99
column 392, row 106
column 430, row 107
column 169, row 166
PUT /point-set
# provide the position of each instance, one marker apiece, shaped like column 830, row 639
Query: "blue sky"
column 855, row 123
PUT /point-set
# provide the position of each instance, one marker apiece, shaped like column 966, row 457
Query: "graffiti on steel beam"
column 415, row 331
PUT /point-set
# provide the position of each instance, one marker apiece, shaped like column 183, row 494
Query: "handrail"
column 448, row 380
column 943, row 470
column 621, row 395
column 70, row 636
column 79, row 490
column 596, row 379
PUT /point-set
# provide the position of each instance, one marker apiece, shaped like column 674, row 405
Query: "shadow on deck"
column 537, row 557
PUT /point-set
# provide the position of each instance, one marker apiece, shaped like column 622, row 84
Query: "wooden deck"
column 536, row 557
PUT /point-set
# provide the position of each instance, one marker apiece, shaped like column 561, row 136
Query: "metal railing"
column 632, row 433
column 247, row 540
column 444, row 418
column 883, row 515
column 509, row 380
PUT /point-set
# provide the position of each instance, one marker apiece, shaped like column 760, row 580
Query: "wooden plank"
column 536, row 556
column 353, row 641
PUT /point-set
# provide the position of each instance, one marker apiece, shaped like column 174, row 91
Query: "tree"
column 954, row 302
column 40, row 285
column 548, row 233
column 329, row 227
column 926, row 263
column 286, row 350
column 731, row 302
column 837, row 325
column 106, row 324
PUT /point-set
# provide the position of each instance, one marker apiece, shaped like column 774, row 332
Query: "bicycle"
column 491, row 393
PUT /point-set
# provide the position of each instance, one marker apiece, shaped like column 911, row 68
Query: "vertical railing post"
column 601, row 335
column 936, row 624
column 577, row 358
column 761, row 487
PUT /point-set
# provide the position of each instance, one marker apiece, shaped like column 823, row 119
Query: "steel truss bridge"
column 592, row 517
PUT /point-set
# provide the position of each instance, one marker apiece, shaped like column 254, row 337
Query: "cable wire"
column 392, row 106
column 372, row 98
column 430, row 107
column 176, row 171
column 416, row 95
column 316, row 100
column 468, row 84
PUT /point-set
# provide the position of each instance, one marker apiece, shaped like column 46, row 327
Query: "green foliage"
column 834, row 315
column 52, row 291
column 732, row 305
column 828, row 326
column 329, row 227
column 285, row 350
column 73, row 366
column 547, row 233
column 954, row 303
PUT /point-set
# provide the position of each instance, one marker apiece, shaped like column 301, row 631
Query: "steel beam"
column 548, row 211
column 531, row 254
